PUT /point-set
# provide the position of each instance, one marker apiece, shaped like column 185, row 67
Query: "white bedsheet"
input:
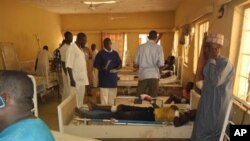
column 128, row 81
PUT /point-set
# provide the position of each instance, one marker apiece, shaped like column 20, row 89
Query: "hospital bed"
column 10, row 61
column 34, row 99
column 109, row 128
column 129, row 80
column 46, row 84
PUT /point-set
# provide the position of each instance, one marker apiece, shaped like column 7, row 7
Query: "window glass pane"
column 247, row 19
column 202, row 28
column 186, row 48
column 74, row 38
column 125, row 52
column 242, row 77
column 175, row 48
column 245, row 65
column 143, row 38
column 243, row 87
column 245, row 45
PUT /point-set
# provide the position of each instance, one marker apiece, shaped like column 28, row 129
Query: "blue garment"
column 27, row 130
column 215, row 97
column 107, row 79
column 149, row 57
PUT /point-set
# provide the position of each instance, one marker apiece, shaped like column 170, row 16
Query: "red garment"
column 186, row 94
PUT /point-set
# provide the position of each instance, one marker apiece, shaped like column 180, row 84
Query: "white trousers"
column 108, row 95
column 66, row 87
column 80, row 93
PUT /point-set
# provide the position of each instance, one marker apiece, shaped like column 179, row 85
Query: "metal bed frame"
column 68, row 123
column 175, row 80
column 238, row 112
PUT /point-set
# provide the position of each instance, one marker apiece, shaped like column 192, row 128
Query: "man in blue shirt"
column 149, row 59
column 215, row 93
column 107, row 61
column 17, row 122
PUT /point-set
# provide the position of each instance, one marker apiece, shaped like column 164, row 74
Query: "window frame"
column 241, row 89
column 198, row 41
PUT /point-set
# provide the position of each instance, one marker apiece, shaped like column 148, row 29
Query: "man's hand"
column 72, row 83
column 113, row 71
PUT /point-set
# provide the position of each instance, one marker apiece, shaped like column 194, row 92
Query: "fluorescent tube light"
column 100, row 2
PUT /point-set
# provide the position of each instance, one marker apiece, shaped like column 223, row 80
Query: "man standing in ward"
column 94, row 71
column 77, row 70
column 149, row 59
column 43, row 65
column 107, row 61
column 68, row 37
column 215, row 94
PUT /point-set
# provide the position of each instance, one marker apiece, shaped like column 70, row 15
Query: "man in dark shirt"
column 108, row 62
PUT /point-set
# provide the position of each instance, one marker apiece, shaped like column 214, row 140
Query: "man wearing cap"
column 149, row 59
column 215, row 94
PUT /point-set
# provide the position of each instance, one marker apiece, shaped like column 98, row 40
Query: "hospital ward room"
column 124, row 70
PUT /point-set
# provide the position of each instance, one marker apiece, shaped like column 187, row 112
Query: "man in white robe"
column 215, row 94
column 94, row 71
column 68, row 37
column 43, row 66
column 77, row 69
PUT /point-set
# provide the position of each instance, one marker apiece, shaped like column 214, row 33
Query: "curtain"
column 117, row 41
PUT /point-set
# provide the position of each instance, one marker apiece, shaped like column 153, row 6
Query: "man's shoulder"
column 115, row 52
column 28, row 129
column 144, row 44
column 101, row 52
column 158, row 46
column 64, row 47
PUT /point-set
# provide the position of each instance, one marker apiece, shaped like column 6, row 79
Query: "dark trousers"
column 148, row 86
column 126, row 112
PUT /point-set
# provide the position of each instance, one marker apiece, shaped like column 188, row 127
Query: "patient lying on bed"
column 127, row 112
column 168, row 68
column 184, row 98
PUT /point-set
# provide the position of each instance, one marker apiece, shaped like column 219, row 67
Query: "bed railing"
column 65, row 112
column 35, row 108
column 238, row 113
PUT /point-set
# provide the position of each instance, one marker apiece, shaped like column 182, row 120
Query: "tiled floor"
column 48, row 112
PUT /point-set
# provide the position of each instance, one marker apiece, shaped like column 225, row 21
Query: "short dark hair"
column 106, row 41
column 67, row 33
column 93, row 46
column 152, row 35
column 80, row 36
column 45, row 47
column 18, row 86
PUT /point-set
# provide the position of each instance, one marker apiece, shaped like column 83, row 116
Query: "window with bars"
column 202, row 28
column 243, row 70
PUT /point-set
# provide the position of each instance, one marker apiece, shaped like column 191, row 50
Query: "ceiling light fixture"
column 100, row 2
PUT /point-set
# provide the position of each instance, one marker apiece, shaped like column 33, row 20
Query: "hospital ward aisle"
column 48, row 112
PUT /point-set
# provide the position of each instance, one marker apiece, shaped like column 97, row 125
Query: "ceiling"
column 121, row 6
